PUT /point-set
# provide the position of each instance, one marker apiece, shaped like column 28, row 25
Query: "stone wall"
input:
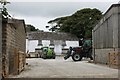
column 106, row 36
column 13, row 38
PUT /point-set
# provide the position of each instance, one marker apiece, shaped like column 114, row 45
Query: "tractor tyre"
column 76, row 57
column 54, row 56
column 44, row 57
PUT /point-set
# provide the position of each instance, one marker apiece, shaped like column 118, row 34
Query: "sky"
column 39, row 12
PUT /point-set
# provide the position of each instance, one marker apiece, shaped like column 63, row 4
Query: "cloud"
column 39, row 13
column 53, row 9
column 39, row 22
column 63, row 0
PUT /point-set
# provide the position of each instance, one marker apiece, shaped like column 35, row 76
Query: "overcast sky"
column 39, row 12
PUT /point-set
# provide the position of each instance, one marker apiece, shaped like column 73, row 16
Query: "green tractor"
column 47, row 53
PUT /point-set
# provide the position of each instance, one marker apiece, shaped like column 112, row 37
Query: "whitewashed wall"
column 31, row 45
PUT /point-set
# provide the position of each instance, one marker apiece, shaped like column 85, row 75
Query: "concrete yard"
column 59, row 68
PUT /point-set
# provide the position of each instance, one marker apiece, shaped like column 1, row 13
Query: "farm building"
column 12, row 46
column 106, row 37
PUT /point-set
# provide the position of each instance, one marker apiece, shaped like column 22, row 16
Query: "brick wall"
column 14, row 37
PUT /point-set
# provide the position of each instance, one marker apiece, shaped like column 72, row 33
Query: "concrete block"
column 14, row 37
column 101, row 55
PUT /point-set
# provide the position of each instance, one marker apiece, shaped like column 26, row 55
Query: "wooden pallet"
column 113, row 59
column 21, row 61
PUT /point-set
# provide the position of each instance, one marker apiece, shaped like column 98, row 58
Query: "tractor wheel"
column 44, row 56
column 76, row 57
column 53, row 57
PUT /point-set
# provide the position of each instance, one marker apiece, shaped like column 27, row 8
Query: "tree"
column 80, row 23
column 31, row 28
column 59, row 22
column 4, row 11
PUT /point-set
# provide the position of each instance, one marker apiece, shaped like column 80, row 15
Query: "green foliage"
column 59, row 22
column 80, row 23
column 4, row 11
column 32, row 28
